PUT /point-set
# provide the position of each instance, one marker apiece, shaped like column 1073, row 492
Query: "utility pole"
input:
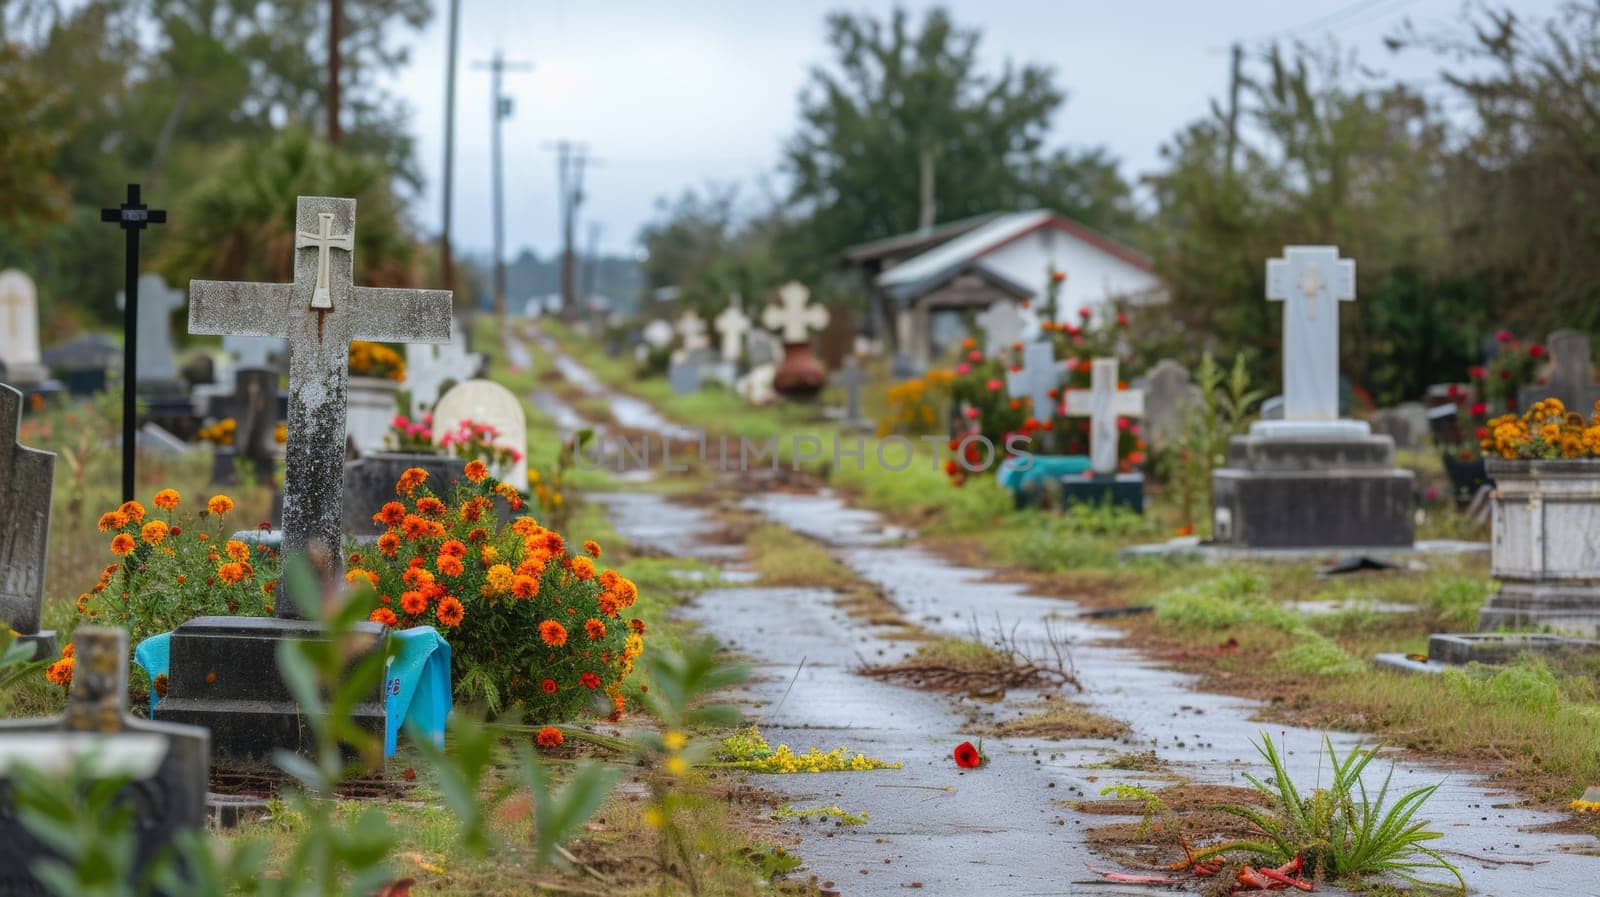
column 591, row 262
column 499, row 109
column 1233, row 107
column 570, row 161
column 447, row 264
column 335, row 22
column 926, row 201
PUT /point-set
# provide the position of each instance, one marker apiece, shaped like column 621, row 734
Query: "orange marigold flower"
column 430, row 507
column 167, row 499
column 609, row 579
column 111, row 520
column 414, row 603
column 390, row 514
column 161, row 684
column 549, row 737
column 133, row 510
column 453, row 547
column 154, row 532
column 595, row 629
column 524, row 587
column 232, row 572
column 592, row 547
column 451, row 612
column 410, row 480
column 356, row 573
column 477, row 535
column 476, row 471
column 417, row 577
column 237, row 550
column 83, row 604
column 627, row 592
column 583, row 568
column 637, row 625
column 60, row 672
column 531, row 566
column 525, row 527
column 609, row 605
column 552, row 542
column 450, row 565
column 268, row 587
column 499, row 579
column 219, row 504
column 553, row 633
column 389, row 544
column 121, row 544
column 509, row 493
column 415, row 527
column 385, row 616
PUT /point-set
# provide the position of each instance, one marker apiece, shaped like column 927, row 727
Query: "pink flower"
column 963, row 369
column 1122, row 319
column 1479, row 409
column 400, row 422
column 1536, row 350
column 994, row 385
column 970, row 413
column 1071, row 364
column 516, row 456
column 1084, row 313
column 1122, row 423
column 1476, row 372
column 1503, row 336
column 974, row 355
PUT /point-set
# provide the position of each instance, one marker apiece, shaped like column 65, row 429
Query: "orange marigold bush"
column 168, row 568
column 1548, row 431
column 506, row 594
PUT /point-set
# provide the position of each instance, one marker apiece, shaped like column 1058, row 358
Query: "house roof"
column 915, row 241
column 972, row 268
column 913, row 276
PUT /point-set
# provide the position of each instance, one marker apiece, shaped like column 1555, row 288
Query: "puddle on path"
column 1000, row 828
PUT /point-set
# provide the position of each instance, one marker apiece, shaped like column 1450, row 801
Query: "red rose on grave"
column 1476, row 372
column 1503, row 336
column 1536, row 350
column 1479, row 408
column 967, row 756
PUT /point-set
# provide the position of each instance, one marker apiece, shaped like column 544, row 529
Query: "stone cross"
column 132, row 216
column 792, row 316
column 157, row 302
column 19, row 328
column 1310, row 281
column 851, row 378
column 1039, row 375
column 1102, row 403
column 166, row 766
column 319, row 341
column 732, row 323
column 26, row 476
column 323, row 241
column 692, row 330
column 1002, row 327
column 429, row 368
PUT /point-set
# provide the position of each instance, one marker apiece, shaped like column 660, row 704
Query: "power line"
column 500, row 109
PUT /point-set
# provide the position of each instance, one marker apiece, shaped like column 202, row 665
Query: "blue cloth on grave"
column 1044, row 472
column 416, row 687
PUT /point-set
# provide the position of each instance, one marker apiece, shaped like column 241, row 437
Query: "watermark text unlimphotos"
column 974, row 452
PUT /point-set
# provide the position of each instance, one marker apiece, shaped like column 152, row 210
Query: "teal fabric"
column 1043, row 472
column 416, row 687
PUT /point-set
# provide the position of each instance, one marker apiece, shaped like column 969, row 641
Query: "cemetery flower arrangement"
column 167, row 564
column 413, row 436
column 376, row 360
column 472, row 441
column 1547, row 431
column 1513, row 366
column 220, row 433
column 916, row 406
column 533, row 623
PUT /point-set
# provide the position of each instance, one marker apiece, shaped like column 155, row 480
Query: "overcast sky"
column 671, row 95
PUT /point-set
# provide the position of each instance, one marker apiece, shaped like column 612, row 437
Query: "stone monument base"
column 369, row 484
column 1123, row 490
column 1572, row 608
column 223, row 675
column 1300, row 484
column 43, row 643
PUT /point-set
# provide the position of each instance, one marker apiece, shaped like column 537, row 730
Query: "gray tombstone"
column 26, row 476
column 851, row 378
column 1569, row 376
column 157, row 302
column 761, row 347
column 1169, row 395
column 684, row 376
column 1272, row 408
column 166, row 767
column 1405, row 424
column 1002, row 327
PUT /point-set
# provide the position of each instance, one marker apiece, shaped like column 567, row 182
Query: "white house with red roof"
column 922, row 277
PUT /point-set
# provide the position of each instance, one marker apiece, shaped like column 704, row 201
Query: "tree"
column 906, row 129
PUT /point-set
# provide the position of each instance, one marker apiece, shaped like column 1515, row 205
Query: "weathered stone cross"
column 733, row 324
column 692, row 331
column 792, row 316
column 1102, row 403
column 1002, row 327
column 1305, row 275
column 319, row 329
column 26, row 476
column 1039, row 375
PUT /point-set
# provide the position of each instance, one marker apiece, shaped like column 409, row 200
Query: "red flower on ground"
column 550, row 737
column 967, row 756
column 589, row 680
column 549, row 686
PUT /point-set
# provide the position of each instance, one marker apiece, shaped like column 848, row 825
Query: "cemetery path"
column 1006, row 826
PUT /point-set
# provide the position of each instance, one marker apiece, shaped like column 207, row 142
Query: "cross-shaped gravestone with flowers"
column 799, row 375
column 1002, row 327
column 732, row 323
column 1037, row 377
column 1104, row 403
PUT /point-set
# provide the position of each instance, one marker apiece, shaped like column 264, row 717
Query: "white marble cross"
column 658, row 334
column 319, row 336
column 1311, row 281
column 322, row 241
column 1102, row 403
column 692, row 330
column 732, row 323
column 791, row 316
column 1039, row 375
column 429, row 368
column 1002, row 327
column 157, row 302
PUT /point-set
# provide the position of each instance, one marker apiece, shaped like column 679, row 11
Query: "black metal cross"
column 132, row 217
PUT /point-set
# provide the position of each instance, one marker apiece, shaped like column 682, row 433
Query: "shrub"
column 530, row 623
